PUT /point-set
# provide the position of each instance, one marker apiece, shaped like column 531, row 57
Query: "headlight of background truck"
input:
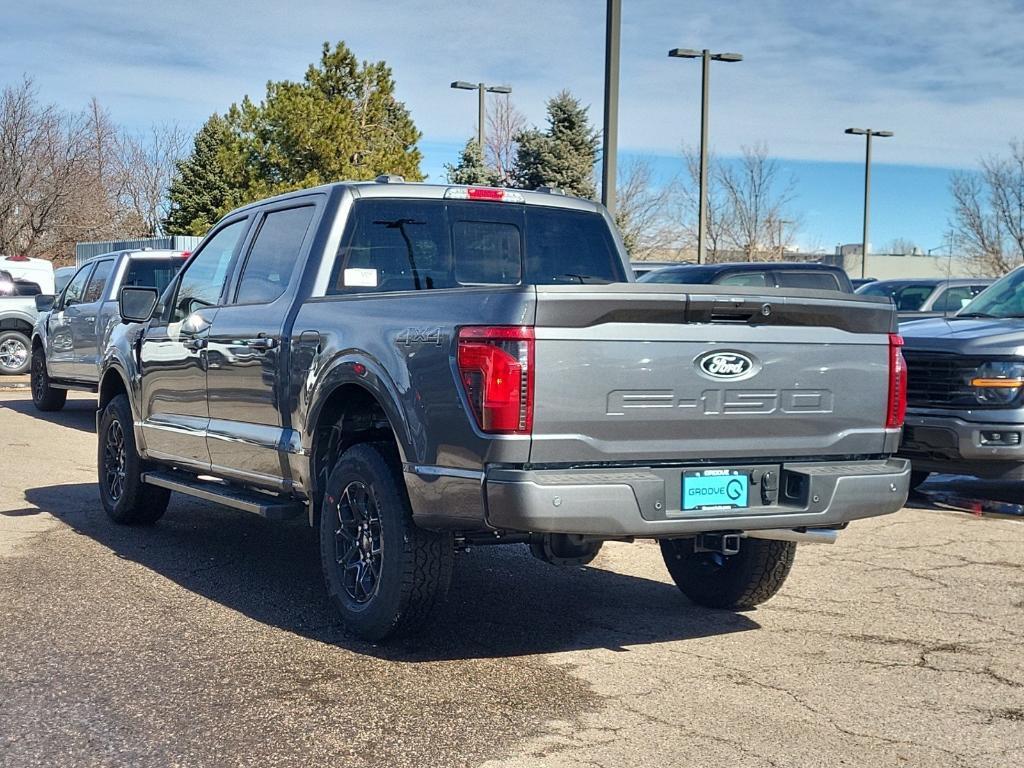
column 998, row 383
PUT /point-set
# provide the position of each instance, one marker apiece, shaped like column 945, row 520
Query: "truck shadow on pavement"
column 76, row 414
column 503, row 602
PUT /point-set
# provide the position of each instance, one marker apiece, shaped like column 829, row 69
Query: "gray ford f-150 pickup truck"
column 965, row 411
column 423, row 368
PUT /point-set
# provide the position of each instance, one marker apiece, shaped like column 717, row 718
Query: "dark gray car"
column 420, row 369
column 965, row 413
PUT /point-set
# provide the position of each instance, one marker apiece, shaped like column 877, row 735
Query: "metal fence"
column 86, row 251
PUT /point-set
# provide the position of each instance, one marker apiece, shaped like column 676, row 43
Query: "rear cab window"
column 413, row 245
column 152, row 272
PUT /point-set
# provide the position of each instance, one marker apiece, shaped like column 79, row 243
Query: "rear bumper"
column 645, row 502
column 950, row 444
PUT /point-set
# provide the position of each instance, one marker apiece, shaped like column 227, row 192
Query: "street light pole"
column 702, row 208
column 482, row 90
column 868, row 134
column 706, row 58
column 613, row 24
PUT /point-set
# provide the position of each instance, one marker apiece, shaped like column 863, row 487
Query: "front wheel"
column 738, row 581
column 44, row 396
column 384, row 574
column 125, row 497
column 15, row 356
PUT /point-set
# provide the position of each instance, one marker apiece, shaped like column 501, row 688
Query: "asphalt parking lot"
column 207, row 640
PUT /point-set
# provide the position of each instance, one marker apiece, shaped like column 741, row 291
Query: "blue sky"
column 947, row 78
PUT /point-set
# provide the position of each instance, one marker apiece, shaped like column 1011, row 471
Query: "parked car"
column 858, row 282
column 641, row 268
column 966, row 377
column 766, row 274
column 17, row 316
column 34, row 276
column 918, row 298
column 72, row 329
column 418, row 369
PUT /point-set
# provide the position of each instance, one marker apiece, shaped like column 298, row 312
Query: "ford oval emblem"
column 725, row 365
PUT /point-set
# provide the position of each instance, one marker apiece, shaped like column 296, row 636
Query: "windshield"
column 1004, row 298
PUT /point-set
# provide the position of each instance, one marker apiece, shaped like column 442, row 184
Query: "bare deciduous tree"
column 988, row 213
column 148, row 163
column 504, row 123
column 749, row 206
column 646, row 212
column 67, row 178
column 757, row 222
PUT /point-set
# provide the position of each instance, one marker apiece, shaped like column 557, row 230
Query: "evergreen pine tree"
column 471, row 168
column 200, row 192
column 342, row 121
column 564, row 155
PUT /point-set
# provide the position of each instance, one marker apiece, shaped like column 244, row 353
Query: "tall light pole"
column 482, row 89
column 613, row 24
column 867, row 133
column 706, row 57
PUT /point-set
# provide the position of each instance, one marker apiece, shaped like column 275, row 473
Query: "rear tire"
column 126, row 499
column 15, row 353
column 44, row 396
column 738, row 581
column 384, row 574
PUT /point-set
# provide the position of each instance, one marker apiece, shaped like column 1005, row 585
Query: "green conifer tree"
column 564, row 155
column 471, row 168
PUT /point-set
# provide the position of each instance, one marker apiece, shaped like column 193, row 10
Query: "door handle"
column 261, row 343
column 194, row 344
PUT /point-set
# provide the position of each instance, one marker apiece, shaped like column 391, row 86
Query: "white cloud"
column 945, row 77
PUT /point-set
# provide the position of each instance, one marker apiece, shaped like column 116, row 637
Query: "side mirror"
column 44, row 302
column 136, row 305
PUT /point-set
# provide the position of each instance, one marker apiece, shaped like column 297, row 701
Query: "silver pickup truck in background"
column 17, row 317
column 72, row 328
column 421, row 368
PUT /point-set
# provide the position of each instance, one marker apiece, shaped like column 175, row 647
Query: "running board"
column 262, row 504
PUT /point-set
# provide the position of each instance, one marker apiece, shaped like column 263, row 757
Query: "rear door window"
column 98, row 282
column 273, row 255
column 798, row 278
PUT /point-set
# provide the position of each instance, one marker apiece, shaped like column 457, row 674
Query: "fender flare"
column 345, row 370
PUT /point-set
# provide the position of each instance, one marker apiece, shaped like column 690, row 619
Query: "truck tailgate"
column 666, row 373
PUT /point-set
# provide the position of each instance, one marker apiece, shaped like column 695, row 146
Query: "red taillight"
column 897, row 409
column 496, row 368
column 485, row 193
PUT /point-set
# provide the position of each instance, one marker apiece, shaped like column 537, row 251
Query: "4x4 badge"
column 725, row 365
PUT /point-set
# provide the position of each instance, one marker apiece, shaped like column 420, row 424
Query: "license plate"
column 715, row 489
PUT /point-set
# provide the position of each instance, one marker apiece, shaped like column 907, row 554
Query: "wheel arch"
column 347, row 414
